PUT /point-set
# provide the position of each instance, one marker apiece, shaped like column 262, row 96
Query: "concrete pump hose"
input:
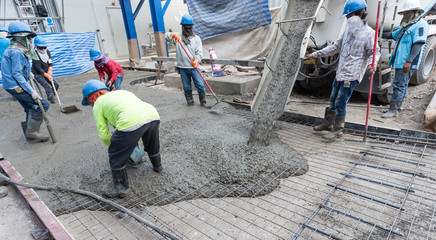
column 95, row 196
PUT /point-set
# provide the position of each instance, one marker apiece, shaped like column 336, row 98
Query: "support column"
column 158, row 27
column 129, row 25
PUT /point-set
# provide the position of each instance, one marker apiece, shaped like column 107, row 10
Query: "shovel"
column 67, row 109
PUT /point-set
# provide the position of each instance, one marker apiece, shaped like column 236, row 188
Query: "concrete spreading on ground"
column 199, row 148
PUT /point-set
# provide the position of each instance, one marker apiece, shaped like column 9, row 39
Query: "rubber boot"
column 51, row 98
column 156, row 162
column 3, row 193
column 189, row 99
column 202, row 98
column 338, row 126
column 33, row 124
column 327, row 124
column 393, row 110
column 121, row 183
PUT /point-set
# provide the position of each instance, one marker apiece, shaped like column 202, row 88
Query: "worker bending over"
column 132, row 119
column 355, row 47
column 103, row 64
column 186, row 68
column 410, row 39
column 15, row 68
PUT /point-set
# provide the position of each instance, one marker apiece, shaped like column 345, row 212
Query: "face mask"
column 409, row 18
column 3, row 34
column 41, row 50
column 354, row 21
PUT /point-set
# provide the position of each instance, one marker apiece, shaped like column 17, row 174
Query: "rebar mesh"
column 382, row 189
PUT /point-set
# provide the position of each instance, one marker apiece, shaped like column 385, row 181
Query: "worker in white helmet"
column 355, row 47
column 405, row 59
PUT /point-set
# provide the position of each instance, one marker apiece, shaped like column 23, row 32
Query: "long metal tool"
column 67, row 109
column 199, row 73
column 47, row 122
column 374, row 53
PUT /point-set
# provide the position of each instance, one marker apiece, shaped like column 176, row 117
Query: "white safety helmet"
column 410, row 5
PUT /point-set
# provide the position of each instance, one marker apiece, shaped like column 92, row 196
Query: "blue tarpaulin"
column 70, row 52
column 214, row 18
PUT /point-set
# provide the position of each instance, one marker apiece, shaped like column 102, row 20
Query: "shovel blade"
column 69, row 109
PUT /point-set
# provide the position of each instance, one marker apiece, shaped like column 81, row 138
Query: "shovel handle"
column 56, row 93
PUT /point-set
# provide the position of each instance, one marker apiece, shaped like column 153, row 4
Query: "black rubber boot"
column 327, row 124
column 33, row 124
column 121, row 183
column 202, row 98
column 156, row 162
column 393, row 110
column 51, row 97
column 189, row 99
column 338, row 126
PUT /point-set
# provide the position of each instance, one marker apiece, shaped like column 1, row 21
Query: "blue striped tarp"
column 214, row 18
column 70, row 52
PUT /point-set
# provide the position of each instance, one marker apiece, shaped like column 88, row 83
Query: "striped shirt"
column 355, row 46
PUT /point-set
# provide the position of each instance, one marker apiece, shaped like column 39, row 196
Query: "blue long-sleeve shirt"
column 4, row 44
column 16, row 70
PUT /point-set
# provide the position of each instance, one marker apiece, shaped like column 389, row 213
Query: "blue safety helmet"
column 94, row 53
column 19, row 29
column 91, row 86
column 3, row 29
column 187, row 20
column 40, row 42
column 352, row 6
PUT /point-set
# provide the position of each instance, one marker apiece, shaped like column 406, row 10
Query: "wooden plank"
column 46, row 217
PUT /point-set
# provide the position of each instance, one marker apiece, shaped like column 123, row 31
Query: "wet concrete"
column 199, row 148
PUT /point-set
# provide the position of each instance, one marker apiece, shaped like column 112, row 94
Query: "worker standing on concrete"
column 355, row 47
column 103, row 64
column 406, row 57
column 42, row 68
column 187, row 69
column 15, row 68
column 133, row 119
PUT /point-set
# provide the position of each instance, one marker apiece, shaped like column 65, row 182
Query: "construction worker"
column 355, row 47
column 188, row 69
column 4, row 43
column 42, row 68
column 405, row 59
column 103, row 64
column 15, row 68
column 132, row 119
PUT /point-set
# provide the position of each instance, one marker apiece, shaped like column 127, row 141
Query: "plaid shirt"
column 356, row 46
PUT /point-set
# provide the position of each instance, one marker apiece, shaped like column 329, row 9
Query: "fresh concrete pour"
column 198, row 148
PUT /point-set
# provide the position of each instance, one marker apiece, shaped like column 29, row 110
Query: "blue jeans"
column 340, row 96
column 186, row 74
column 27, row 101
column 117, row 82
column 400, row 84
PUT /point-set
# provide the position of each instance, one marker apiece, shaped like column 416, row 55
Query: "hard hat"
column 94, row 53
column 410, row 5
column 19, row 29
column 187, row 20
column 91, row 86
column 352, row 6
column 3, row 29
column 40, row 42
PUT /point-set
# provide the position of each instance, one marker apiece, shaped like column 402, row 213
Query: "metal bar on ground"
column 395, row 159
column 378, row 182
column 322, row 232
column 394, row 170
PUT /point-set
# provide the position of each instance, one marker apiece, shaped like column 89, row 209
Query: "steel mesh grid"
column 282, row 213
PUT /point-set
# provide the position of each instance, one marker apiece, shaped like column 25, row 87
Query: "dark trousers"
column 46, row 84
column 27, row 102
column 123, row 143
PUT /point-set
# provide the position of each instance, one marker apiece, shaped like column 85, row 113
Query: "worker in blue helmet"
column 186, row 68
column 42, row 68
column 132, row 119
column 355, row 48
column 4, row 43
column 16, row 70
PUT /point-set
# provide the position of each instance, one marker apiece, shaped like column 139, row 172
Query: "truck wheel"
column 425, row 68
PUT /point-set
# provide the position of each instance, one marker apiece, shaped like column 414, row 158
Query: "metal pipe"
column 378, row 182
column 322, row 232
column 26, row 19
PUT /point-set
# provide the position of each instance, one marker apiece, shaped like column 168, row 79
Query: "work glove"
column 195, row 63
column 50, row 71
column 109, row 84
column 176, row 37
column 48, row 76
column 35, row 96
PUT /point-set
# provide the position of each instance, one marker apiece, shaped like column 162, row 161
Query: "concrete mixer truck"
column 319, row 73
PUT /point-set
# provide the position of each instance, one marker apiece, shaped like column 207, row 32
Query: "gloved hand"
column 48, row 76
column 109, row 84
column 35, row 96
column 176, row 37
column 195, row 63
column 50, row 71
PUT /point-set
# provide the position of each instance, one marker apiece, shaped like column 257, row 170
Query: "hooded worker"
column 103, row 64
column 4, row 44
column 132, row 119
column 355, row 47
column 42, row 68
column 188, row 69
column 15, row 68
column 405, row 59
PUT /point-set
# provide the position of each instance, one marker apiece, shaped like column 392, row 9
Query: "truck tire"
column 425, row 68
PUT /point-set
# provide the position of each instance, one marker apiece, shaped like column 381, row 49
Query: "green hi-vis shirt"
column 123, row 110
